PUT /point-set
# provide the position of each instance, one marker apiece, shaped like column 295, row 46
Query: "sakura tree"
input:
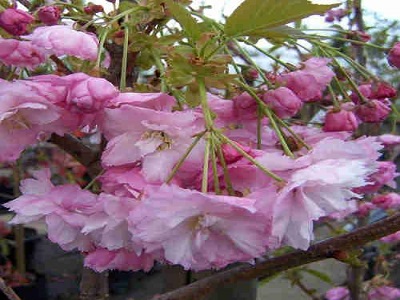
column 198, row 155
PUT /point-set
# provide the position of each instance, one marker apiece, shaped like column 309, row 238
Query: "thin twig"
column 8, row 291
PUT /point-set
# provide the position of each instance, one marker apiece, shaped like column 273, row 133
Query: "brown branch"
column 8, row 291
column 82, row 153
column 270, row 267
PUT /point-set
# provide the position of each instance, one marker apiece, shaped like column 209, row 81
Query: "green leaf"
column 322, row 276
column 254, row 15
column 185, row 19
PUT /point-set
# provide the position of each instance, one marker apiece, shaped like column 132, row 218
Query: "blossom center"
column 161, row 136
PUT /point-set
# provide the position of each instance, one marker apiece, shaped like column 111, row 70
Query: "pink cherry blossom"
column 15, row 21
column 65, row 209
column 283, row 102
column 392, row 238
column 383, row 176
column 389, row 139
column 309, row 82
column 244, row 107
column 374, row 111
column 20, row 54
column 63, row 40
column 341, row 120
column 123, row 181
column 49, row 15
column 338, row 293
column 387, row 201
column 199, row 231
column 394, row 56
column 102, row 259
column 159, row 138
column 108, row 225
column 26, row 116
column 384, row 293
column 155, row 101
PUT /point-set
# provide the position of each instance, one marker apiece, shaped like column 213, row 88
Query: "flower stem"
column 124, row 64
column 251, row 159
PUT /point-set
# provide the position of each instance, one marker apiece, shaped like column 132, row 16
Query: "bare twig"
column 8, row 291
column 319, row 251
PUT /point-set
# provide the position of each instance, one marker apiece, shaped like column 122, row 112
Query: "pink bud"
column 342, row 120
column 386, row 201
column 364, row 209
column 231, row 155
column 15, row 21
column 49, row 15
column 93, row 9
column 384, row 90
column 283, row 102
column 338, row 293
column 394, row 56
column 374, row 111
column 245, row 107
column 365, row 90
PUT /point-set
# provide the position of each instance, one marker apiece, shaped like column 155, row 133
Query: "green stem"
column 277, row 60
column 271, row 118
column 214, row 165
column 101, row 46
column 185, row 155
column 248, row 58
column 251, row 159
column 259, row 126
column 227, row 178
column 124, row 64
column 204, row 182
column 294, row 134
column 204, row 104
column 160, row 67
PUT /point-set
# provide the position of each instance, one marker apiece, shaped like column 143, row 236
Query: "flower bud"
column 374, row 111
column 342, row 120
column 394, row 56
column 49, row 15
column 15, row 21
column 283, row 102
column 387, row 201
column 231, row 155
column 93, row 9
column 384, row 90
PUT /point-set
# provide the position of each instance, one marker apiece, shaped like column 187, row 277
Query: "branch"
column 8, row 291
column 319, row 251
column 82, row 153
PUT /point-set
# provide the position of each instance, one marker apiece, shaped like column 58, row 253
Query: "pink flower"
column 155, row 101
column 335, row 14
column 63, row 40
column 25, row 116
column 15, row 21
column 123, row 181
column 102, row 259
column 364, row 208
column 49, row 15
column 394, row 56
column 389, row 139
column 309, row 82
column 314, row 192
column 374, row 111
column 157, row 138
column 392, row 238
column 341, row 120
column 64, row 208
column 199, row 231
column 383, row 176
column 108, row 225
column 283, row 102
column 20, row 54
column 387, row 201
column 244, row 107
column 338, row 293
column 384, row 293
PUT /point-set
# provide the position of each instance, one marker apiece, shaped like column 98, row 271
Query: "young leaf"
column 184, row 18
column 322, row 276
column 255, row 15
